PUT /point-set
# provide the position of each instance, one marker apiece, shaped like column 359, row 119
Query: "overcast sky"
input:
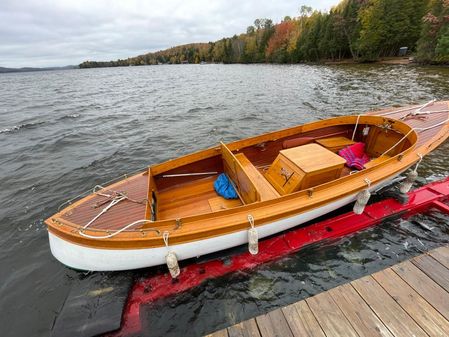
column 55, row 33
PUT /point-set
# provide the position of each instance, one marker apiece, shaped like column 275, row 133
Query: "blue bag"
column 224, row 187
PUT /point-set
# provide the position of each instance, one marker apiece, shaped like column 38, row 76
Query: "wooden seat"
column 335, row 144
column 263, row 187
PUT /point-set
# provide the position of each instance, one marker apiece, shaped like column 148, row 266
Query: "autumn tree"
column 277, row 48
column 433, row 45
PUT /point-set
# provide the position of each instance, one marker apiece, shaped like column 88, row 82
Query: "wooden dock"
column 407, row 299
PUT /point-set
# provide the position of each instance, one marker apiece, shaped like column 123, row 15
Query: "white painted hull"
column 86, row 258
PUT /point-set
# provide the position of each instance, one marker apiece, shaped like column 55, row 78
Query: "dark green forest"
column 359, row 30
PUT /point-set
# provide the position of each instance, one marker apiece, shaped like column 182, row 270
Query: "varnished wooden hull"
column 202, row 232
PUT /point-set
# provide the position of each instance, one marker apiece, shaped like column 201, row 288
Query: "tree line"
column 362, row 30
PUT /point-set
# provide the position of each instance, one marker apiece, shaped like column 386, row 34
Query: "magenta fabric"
column 355, row 156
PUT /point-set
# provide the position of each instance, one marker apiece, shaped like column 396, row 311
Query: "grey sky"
column 53, row 33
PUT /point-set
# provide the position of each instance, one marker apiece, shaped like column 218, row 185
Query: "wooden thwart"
column 335, row 144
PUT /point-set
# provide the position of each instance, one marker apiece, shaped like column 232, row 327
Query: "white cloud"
column 49, row 33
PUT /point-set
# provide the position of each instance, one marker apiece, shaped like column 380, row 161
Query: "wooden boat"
column 283, row 179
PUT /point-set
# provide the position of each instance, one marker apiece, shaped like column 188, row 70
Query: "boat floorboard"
column 407, row 299
column 189, row 199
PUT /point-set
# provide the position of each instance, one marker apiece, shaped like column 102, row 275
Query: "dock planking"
column 407, row 299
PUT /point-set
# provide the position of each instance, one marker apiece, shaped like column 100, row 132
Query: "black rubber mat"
column 94, row 305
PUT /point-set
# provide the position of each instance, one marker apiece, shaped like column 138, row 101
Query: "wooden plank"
column 362, row 318
column 329, row 316
column 389, row 312
column 273, row 324
column 244, row 329
column 441, row 255
column 221, row 333
column 425, row 286
column 301, row 320
column 417, row 307
column 432, row 268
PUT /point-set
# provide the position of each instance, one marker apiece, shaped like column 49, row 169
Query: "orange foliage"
column 280, row 37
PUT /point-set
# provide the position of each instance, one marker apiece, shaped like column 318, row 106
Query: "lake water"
column 63, row 132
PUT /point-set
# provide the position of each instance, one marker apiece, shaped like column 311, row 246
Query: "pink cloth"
column 355, row 156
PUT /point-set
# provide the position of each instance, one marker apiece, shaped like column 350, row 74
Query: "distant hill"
column 28, row 69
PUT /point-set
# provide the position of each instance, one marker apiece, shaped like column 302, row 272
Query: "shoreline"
column 398, row 60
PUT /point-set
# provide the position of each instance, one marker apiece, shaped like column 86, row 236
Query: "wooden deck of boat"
column 407, row 299
column 118, row 216
column 423, row 121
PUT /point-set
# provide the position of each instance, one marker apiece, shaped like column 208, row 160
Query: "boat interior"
column 268, row 169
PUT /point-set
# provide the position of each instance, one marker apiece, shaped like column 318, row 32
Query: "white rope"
column 165, row 236
column 117, row 197
column 355, row 128
column 426, row 105
column 126, row 175
column 396, row 144
column 116, row 232
column 368, row 182
column 434, row 112
column 251, row 220
column 415, row 129
column 419, row 161
column 406, row 109
column 433, row 126
column 114, row 202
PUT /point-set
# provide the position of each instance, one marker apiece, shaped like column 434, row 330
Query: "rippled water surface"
column 62, row 132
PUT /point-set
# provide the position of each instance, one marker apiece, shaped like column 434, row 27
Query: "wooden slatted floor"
column 407, row 299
